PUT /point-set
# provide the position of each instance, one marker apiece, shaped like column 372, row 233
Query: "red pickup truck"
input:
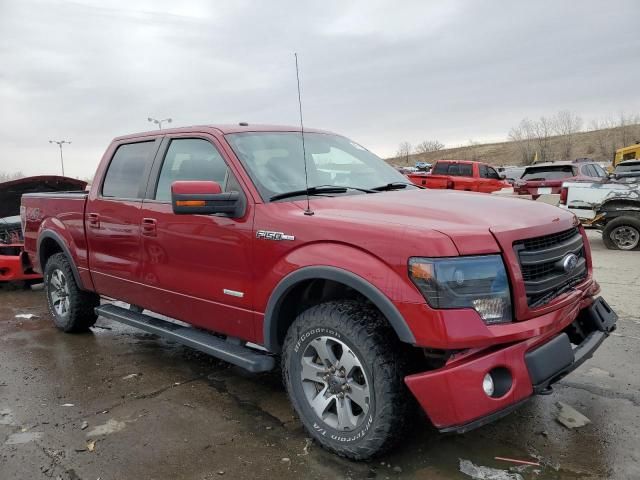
column 461, row 175
column 364, row 286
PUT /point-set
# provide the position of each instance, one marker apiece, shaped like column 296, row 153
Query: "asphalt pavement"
column 117, row 403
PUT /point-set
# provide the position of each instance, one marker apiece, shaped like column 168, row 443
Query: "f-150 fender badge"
column 267, row 235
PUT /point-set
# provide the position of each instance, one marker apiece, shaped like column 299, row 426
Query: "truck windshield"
column 628, row 167
column 548, row 173
column 274, row 162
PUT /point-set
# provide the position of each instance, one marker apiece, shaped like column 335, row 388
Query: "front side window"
column 491, row 173
column 125, row 177
column 600, row 172
column 191, row 159
column 274, row 161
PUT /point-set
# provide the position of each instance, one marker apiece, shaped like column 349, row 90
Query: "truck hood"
column 469, row 219
column 12, row 191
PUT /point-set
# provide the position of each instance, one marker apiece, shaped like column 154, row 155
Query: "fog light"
column 493, row 310
column 487, row 385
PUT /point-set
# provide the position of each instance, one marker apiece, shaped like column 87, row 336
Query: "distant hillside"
column 599, row 145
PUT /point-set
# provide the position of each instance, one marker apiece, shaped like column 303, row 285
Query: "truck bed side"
column 54, row 222
column 584, row 199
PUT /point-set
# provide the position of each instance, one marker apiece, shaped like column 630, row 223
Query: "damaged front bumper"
column 454, row 396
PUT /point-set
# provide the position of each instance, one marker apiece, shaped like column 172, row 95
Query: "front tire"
column 622, row 233
column 72, row 309
column 344, row 373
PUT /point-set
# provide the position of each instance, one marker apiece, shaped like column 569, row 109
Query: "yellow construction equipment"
column 631, row 152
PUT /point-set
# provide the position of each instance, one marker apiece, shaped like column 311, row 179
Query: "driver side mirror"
column 205, row 198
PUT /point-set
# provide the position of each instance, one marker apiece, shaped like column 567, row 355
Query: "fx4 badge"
column 266, row 235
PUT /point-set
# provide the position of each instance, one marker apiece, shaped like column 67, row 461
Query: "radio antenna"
column 308, row 211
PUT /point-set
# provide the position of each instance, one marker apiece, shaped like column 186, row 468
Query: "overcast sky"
column 378, row 72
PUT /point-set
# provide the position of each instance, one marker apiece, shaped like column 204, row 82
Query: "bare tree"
column 6, row 177
column 604, row 138
column 524, row 137
column 404, row 150
column 614, row 133
column 429, row 146
column 628, row 131
column 542, row 132
column 566, row 125
column 473, row 153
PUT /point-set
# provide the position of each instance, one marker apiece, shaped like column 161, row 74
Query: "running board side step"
column 234, row 353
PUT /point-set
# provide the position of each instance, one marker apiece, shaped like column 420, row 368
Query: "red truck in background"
column 461, row 175
column 548, row 177
column 13, row 267
column 366, row 288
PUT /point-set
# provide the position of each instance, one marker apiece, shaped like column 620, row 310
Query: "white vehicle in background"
column 612, row 207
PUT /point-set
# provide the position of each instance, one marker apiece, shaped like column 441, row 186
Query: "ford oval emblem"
column 569, row 262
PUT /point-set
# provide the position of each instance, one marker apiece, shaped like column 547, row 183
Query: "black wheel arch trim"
column 49, row 234
column 359, row 284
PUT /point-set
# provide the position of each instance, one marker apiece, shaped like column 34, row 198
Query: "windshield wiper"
column 395, row 186
column 319, row 190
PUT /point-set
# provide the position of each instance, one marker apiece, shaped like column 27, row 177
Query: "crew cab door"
column 112, row 220
column 196, row 268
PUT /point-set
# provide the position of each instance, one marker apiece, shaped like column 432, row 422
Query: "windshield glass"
column 548, row 173
column 274, row 162
column 628, row 167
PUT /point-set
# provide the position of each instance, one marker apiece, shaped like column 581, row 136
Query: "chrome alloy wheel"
column 59, row 292
column 625, row 237
column 335, row 383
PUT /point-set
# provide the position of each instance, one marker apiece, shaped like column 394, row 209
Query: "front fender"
column 377, row 281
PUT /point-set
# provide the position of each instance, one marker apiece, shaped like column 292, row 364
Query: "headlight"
column 465, row 282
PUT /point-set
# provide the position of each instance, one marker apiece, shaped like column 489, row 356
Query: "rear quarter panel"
column 62, row 215
column 583, row 197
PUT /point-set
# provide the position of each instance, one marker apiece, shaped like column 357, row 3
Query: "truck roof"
column 561, row 163
column 224, row 129
column 458, row 161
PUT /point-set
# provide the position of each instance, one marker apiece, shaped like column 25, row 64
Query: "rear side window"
column 126, row 173
column 191, row 159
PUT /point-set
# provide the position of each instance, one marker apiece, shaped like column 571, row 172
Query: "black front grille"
column 541, row 264
column 550, row 240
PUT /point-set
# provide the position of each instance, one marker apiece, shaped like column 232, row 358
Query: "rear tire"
column 72, row 309
column 622, row 233
column 344, row 372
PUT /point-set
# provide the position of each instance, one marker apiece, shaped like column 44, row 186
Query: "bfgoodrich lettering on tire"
column 343, row 369
column 70, row 307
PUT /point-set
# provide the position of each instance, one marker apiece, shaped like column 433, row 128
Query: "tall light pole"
column 60, row 143
column 159, row 122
